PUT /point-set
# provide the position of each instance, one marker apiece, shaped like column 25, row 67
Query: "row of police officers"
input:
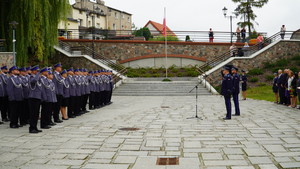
column 231, row 87
column 29, row 93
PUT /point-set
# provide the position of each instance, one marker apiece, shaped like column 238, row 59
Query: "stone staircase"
column 155, row 87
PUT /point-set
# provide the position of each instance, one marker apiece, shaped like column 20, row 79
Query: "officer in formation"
column 29, row 93
column 230, row 87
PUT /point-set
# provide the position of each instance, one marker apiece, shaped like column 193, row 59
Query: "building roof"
column 119, row 10
column 159, row 27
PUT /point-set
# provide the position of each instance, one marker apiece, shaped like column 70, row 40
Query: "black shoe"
column 33, row 131
column 52, row 124
column 20, row 125
column 14, row 126
column 58, row 121
column 38, row 130
column 226, row 118
column 71, row 116
column 23, row 124
column 5, row 120
column 1, row 122
column 235, row 115
column 91, row 109
column 86, row 111
column 65, row 119
column 46, row 127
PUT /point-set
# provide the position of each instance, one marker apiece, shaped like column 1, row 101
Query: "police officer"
column 81, row 78
column 92, row 87
column 66, row 95
column 111, row 83
column 244, row 84
column 226, row 91
column 275, row 87
column 71, row 105
column 57, row 80
column 51, row 99
column 97, row 90
column 87, row 90
column 4, row 107
column 46, row 92
column 28, row 71
column 78, row 92
column 15, row 97
column 1, row 94
column 24, row 79
column 102, row 86
column 35, row 98
column 236, row 90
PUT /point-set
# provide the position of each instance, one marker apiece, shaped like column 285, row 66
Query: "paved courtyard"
column 265, row 136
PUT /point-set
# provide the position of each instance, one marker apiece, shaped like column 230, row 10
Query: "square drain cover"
column 164, row 107
column 167, row 161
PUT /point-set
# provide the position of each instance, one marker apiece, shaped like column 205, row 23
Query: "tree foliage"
column 143, row 32
column 37, row 30
column 248, row 12
column 162, row 38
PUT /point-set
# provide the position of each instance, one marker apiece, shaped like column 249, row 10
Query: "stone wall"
column 75, row 62
column 283, row 49
column 6, row 58
column 121, row 50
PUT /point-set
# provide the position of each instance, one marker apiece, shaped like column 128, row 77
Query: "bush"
column 147, row 75
column 298, row 63
column 276, row 69
column 156, row 75
column 218, row 88
column 131, row 74
column 254, row 79
column 262, row 84
column 143, row 32
column 174, row 70
column 256, row 71
column 294, row 69
column 149, row 68
column 282, row 62
column 296, row 57
column 161, row 68
column 173, row 67
column 192, row 73
column 143, row 71
column 154, row 71
column 167, row 80
column 170, row 75
column 179, row 74
column 268, row 65
column 269, row 77
column 187, row 38
column 187, row 69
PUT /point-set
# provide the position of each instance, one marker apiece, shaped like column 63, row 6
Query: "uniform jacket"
column 46, row 92
column 57, row 80
column 97, row 84
column 87, row 85
column 52, row 97
column 298, row 85
column 4, row 79
column 226, row 89
column 236, row 84
column 102, row 85
column 275, row 81
column 36, row 87
column 111, row 82
column 92, row 83
column 244, row 79
column 2, row 92
column 14, row 89
column 72, row 84
column 78, row 85
column 106, row 81
column 81, row 78
column 25, row 85
column 66, row 88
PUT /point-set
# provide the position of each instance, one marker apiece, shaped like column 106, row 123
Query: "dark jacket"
column 226, row 89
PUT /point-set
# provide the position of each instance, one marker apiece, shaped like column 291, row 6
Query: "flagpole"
column 166, row 44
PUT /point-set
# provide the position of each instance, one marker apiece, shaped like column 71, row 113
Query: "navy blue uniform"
column 226, row 91
column 244, row 84
column 235, row 92
column 275, row 82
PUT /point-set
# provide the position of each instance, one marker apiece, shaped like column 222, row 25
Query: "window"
column 116, row 15
column 128, row 19
column 122, row 15
column 98, row 25
column 90, row 24
column 79, row 22
column 80, row 12
column 122, row 26
column 114, row 27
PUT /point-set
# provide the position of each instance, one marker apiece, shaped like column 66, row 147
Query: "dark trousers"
column 57, row 107
column 106, row 97
column 15, row 111
column 50, row 110
column 24, row 112
column 98, row 99
column 71, row 106
column 282, row 95
column 34, row 107
column 236, row 103
column 77, row 105
column 4, row 108
column 92, row 100
column 110, row 94
column 45, row 114
column 228, row 106
column 84, row 102
column 3, row 114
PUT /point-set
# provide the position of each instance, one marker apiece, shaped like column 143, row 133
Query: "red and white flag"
column 165, row 25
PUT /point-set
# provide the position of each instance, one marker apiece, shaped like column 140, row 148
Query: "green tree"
column 244, row 8
column 143, row 32
column 162, row 38
column 38, row 26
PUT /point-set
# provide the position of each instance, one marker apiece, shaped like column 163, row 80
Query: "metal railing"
column 84, row 50
column 195, row 36
column 2, row 45
column 266, row 41
column 116, row 77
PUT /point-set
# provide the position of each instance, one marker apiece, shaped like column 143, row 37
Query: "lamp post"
column 225, row 13
column 13, row 25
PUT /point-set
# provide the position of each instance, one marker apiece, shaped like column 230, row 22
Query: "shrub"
column 269, row 77
column 170, row 75
column 154, row 71
column 262, row 84
column 143, row 71
column 167, row 80
column 298, row 63
column 254, row 79
column 187, row 38
column 174, row 70
column 282, row 62
column 192, row 73
column 187, row 69
column 131, row 74
column 156, row 75
column 161, row 68
column 179, row 74
column 276, row 69
column 218, row 88
column 149, row 68
column 147, row 75
column 296, row 57
column 173, row 67
column 128, row 68
column 294, row 69
column 268, row 65
column 256, row 71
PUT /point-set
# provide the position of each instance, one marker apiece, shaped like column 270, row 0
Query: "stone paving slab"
column 252, row 140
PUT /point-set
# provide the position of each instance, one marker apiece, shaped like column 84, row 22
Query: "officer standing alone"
column 236, row 90
column 226, row 91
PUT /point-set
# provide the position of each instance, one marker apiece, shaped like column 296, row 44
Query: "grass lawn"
column 261, row 93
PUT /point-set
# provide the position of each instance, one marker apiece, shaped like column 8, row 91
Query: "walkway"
column 265, row 136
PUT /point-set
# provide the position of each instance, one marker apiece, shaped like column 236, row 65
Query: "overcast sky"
column 190, row 15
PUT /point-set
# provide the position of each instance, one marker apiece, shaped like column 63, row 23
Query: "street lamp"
column 13, row 25
column 225, row 13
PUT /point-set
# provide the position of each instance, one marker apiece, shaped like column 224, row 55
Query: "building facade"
column 119, row 21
